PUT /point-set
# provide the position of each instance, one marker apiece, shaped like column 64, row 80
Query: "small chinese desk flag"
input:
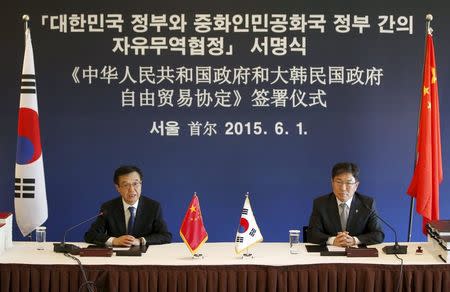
column 192, row 230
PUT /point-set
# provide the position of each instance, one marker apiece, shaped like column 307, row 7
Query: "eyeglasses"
column 127, row 186
column 345, row 183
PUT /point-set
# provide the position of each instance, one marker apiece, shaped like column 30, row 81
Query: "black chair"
column 305, row 233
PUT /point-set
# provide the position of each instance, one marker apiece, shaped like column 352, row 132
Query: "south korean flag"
column 248, row 232
column 30, row 198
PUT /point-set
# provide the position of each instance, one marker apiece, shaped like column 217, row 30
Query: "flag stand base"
column 247, row 255
column 198, row 256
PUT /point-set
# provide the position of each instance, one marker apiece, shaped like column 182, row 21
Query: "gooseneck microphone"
column 64, row 247
column 389, row 249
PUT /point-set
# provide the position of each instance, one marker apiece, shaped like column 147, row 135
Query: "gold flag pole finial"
column 429, row 18
column 26, row 18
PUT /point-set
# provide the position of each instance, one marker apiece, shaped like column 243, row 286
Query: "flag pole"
column 247, row 254
column 197, row 255
column 428, row 30
column 25, row 19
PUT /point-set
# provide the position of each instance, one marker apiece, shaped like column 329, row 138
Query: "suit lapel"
column 334, row 213
column 353, row 213
column 120, row 217
column 139, row 215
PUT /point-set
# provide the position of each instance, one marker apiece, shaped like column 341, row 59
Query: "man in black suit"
column 131, row 219
column 344, row 217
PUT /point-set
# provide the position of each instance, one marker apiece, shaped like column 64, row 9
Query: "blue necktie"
column 131, row 220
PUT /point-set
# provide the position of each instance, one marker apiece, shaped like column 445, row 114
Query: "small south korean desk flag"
column 30, row 197
column 248, row 232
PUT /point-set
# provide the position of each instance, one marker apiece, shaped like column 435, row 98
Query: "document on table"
column 335, row 248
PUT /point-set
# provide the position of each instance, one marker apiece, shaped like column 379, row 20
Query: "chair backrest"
column 305, row 233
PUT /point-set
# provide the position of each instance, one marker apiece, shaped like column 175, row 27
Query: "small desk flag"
column 30, row 198
column 248, row 232
column 192, row 230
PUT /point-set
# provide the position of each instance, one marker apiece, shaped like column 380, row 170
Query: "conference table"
column 271, row 267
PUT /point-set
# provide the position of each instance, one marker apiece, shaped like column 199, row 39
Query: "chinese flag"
column 192, row 230
column 428, row 169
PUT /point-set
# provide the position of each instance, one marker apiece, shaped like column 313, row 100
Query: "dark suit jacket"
column 149, row 223
column 362, row 220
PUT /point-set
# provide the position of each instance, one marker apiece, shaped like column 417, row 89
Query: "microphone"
column 389, row 249
column 64, row 247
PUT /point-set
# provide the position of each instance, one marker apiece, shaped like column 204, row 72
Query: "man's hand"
column 343, row 239
column 126, row 240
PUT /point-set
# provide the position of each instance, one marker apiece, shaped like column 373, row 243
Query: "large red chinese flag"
column 192, row 230
column 428, row 169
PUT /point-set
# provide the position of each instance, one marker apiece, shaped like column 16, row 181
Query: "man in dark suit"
column 131, row 219
column 344, row 217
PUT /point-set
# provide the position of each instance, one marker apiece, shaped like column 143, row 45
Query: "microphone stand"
column 396, row 248
column 390, row 249
column 64, row 247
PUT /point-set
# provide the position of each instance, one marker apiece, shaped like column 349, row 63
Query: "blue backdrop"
column 86, row 130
